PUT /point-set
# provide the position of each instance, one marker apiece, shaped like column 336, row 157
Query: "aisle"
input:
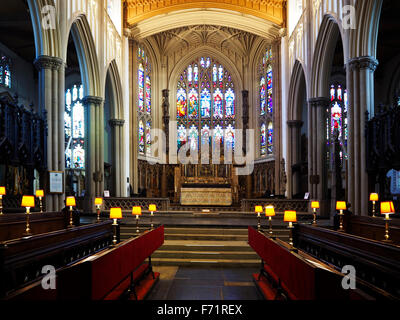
column 186, row 283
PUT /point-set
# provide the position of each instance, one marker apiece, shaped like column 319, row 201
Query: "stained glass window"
column 266, row 104
column 205, row 108
column 337, row 116
column 5, row 71
column 141, row 137
column 74, row 126
column 144, row 103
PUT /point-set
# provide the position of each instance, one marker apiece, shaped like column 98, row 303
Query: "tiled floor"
column 185, row 283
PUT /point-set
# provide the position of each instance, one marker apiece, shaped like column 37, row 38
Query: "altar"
column 205, row 185
column 206, row 196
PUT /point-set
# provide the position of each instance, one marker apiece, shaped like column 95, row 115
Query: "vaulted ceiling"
column 217, row 37
column 271, row 10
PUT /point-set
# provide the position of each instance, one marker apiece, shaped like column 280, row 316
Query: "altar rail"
column 279, row 204
column 128, row 203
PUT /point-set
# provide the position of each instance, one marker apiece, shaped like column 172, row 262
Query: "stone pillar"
column 51, row 99
column 294, row 154
column 318, row 179
column 360, row 83
column 245, row 121
column 117, row 155
column 165, row 109
column 94, row 133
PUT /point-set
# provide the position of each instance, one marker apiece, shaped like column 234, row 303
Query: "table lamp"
column 28, row 202
column 340, row 206
column 258, row 210
column 98, row 202
column 138, row 212
column 40, row 195
column 374, row 198
column 270, row 212
column 152, row 208
column 290, row 216
column 115, row 214
column 70, row 202
column 2, row 193
column 387, row 208
column 314, row 206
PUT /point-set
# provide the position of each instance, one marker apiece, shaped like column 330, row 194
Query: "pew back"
column 95, row 277
column 301, row 276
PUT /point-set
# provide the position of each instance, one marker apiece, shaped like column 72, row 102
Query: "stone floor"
column 188, row 283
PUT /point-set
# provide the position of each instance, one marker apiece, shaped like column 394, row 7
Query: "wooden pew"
column 22, row 260
column 373, row 228
column 377, row 263
column 293, row 275
column 12, row 225
column 110, row 274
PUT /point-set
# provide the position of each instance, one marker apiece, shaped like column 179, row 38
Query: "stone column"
column 117, row 155
column 245, row 121
column 318, row 180
column 94, row 133
column 360, row 83
column 49, row 99
column 294, row 154
column 165, row 109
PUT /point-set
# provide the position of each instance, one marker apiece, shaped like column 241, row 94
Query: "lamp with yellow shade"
column 115, row 214
column 2, row 193
column 374, row 197
column 387, row 208
column 28, row 202
column 152, row 209
column 258, row 210
column 40, row 195
column 138, row 212
column 98, row 202
column 291, row 217
column 314, row 206
column 270, row 212
column 70, row 202
column 340, row 206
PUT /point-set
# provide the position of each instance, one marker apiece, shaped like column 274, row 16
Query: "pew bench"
column 22, row 260
column 288, row 274
column 119, row 272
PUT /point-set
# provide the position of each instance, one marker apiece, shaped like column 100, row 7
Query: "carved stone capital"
column 319, row 102
column 282, row 32
column 295, row 123
column 47, row 62
column 361, row 63
column 116, row 122
column 92, row 100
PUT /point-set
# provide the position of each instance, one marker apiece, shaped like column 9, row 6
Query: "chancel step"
column 206, row 246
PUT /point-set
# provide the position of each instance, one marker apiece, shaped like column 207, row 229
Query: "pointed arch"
column 87, row 56
column 117, row 111
column 298, row 84
column 47, row 40
column 323, row 55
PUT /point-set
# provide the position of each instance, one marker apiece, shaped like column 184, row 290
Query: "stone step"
column 205, row 245
column 231, row 255
column 217, row 237
column 224, row 263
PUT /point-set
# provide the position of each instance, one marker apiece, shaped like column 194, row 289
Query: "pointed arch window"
column 74, row 126
column 266, row 113
column 205, row 105
column 144, row 104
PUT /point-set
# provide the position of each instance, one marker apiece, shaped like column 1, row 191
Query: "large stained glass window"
column 337, row 116
column 266, row 111
column 144, row 103
column 205, row 105
column 5, row 71
column 74, row 123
